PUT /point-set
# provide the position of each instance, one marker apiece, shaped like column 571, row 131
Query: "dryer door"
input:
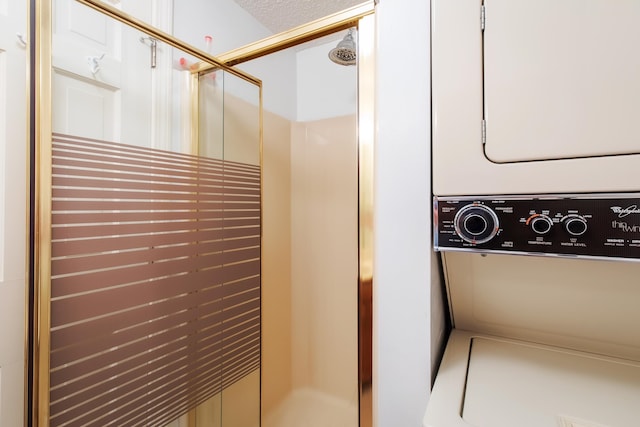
column 561, row 79
column 544, row 99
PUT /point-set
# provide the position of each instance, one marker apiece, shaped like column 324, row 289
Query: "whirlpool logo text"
column 623, row 212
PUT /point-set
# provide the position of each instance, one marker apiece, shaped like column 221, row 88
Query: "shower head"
column 345, row 52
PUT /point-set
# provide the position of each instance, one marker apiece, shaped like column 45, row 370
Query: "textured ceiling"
column 282, row 15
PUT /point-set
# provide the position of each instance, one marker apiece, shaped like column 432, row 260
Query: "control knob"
column 476, row 223
column 540, row 224
column 575, row 224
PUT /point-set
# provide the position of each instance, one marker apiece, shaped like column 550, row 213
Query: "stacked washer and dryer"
column 536, row 182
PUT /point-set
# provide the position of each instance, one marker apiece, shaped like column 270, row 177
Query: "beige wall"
column 324, row 250
column 229, row 126
column 309, row 293
column 276, row 261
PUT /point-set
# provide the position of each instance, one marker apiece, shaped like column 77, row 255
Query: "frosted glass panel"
column 154, row 291
column 155, row 243
column 234, row 105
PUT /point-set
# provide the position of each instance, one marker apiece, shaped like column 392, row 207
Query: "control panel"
column 573, row 225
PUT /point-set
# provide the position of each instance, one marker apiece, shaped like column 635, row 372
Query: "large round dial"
column 476, row 223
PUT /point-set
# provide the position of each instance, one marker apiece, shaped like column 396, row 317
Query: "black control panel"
column 589, row 226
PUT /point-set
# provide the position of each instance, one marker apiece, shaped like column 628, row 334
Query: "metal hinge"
column 484, row 132
column 153, row 46
column 483, row 17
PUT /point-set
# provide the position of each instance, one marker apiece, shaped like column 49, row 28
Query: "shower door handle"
column 153, row 46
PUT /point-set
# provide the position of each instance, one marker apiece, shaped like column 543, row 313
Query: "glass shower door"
column 234, row 106
column 148, row 283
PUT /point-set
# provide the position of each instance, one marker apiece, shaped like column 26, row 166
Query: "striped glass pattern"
column 155, row 282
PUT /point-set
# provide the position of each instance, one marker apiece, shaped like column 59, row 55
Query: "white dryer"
column 536, row 182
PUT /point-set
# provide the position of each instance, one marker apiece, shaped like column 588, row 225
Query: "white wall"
column 402, row 215
column 232, row 27
column 13, row 210
column 325, row 89
column 278, row 74
column 298, row 84
column 229, row 25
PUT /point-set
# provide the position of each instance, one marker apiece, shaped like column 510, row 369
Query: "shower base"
column 312, row 408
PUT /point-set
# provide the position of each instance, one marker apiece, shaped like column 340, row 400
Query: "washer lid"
column 561, row 79
column 527, row 385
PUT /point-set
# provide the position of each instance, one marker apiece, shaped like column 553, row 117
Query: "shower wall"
column 324, row 248
column 322, row 210
column 276, row 266
column 310, row 326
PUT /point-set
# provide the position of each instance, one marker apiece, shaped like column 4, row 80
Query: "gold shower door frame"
column 41, row 130
column 37, row 339
column 362, row 17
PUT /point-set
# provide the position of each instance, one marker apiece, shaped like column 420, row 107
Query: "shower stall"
column 317, row 214
column 316, row 250
column 198, row 260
